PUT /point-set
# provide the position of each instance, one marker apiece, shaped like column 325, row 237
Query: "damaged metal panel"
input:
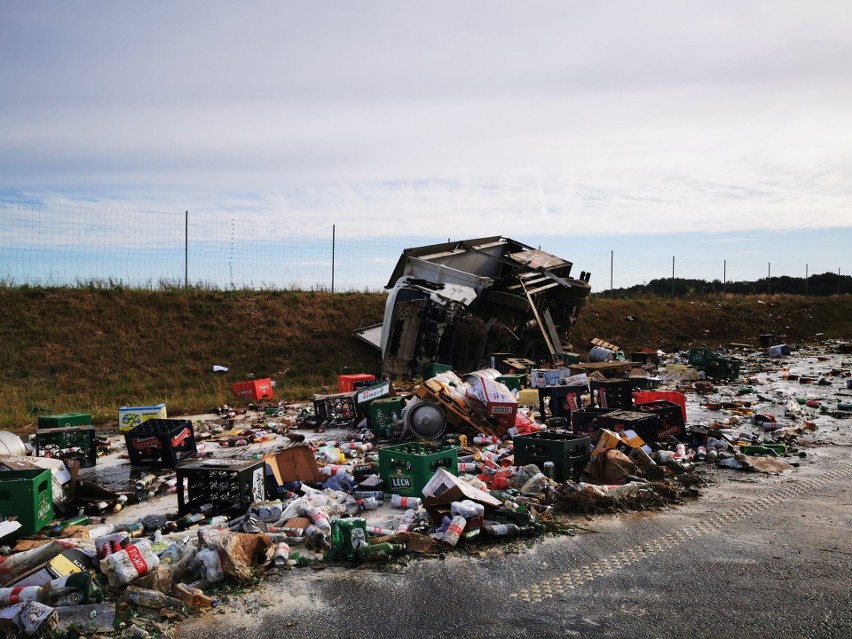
column 456, row 302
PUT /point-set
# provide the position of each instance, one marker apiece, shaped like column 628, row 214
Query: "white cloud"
column 411, row 117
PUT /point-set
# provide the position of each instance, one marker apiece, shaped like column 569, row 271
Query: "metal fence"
column 51, row 245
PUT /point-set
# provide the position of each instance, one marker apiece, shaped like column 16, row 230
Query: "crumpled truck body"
column 457, row 302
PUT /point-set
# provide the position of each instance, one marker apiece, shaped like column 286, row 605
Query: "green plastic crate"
column 569, row 453
column 407, row 468
column 714, row 365
column 27, row 495
column 385, row 414
column 430, row 370
column 65, row 420
column 513, row 382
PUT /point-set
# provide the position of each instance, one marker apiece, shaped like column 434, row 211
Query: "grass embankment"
column 93, row 350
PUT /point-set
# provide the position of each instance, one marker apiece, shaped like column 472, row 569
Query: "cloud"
column 427, row 120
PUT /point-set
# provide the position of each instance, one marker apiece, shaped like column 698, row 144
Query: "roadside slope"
column 95, row 349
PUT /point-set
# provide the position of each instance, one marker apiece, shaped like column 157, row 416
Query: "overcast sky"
column 497, row 117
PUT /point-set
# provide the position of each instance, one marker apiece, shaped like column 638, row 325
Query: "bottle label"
column 137, row 560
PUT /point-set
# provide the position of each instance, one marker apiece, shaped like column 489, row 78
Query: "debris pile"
column 134, row 531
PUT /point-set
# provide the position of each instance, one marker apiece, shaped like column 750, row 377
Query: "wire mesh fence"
column 54, row 245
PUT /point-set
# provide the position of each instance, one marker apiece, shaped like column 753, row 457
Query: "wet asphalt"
column 755, row 556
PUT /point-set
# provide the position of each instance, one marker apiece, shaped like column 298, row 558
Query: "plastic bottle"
column 150, row 598
column 467, row 467
column 9, row 596
column 379, row 531
column 365, row 494
column 455, row 530
column 282, row 554
column 108, row 544
column 193, row 596
column 212, row 564
column 467, row 509
column 399, row 501
column 99, row 531
column 330, row 470
column 407, row 519
column 319, row 518
column 172, row 554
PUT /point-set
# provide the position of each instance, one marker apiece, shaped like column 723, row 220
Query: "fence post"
column 186, row 250
column 333, row 242
column 769, row 279
column 611, row 271
column 724, row 275
column 673, row 266
column 806, row 280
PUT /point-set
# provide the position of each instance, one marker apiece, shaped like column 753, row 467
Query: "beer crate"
column 671, row 418
column 227, row 484
column 385, row 414
column 569, row 453
column 586, row 420
column 643, row 397
column 337, row 406
column 430, row 370
column 407, row 468
column 612, row 393
column 354, row 381
column 27, row 495
column 71, row 442
column 561, row 401
column 64, row 420
column 647, row 425
column 254, row 390
column 160, row 442
column 715, row 366
column 514, row 382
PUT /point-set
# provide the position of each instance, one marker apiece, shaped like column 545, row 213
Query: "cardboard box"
column 499, row 402
column 131, row 416
column 445, row 488
column 296, row 463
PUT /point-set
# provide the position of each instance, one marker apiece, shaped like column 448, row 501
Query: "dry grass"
column 94, row 349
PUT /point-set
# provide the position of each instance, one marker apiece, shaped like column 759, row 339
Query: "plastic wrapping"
column 131, row 562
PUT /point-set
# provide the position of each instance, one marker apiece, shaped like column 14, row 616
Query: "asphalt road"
column 755, row 556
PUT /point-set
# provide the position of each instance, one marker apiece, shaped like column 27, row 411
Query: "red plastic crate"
column 346, row 383
column 254, row 390
column 646, row 397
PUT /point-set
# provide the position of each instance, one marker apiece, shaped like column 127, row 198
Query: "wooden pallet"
column 458, row 413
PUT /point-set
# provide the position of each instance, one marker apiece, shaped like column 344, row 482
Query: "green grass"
column 95, row 348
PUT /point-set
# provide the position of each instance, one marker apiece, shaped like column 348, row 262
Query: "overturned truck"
column 457, row 302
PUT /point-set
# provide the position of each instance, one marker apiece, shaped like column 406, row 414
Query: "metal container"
column 487, row 373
